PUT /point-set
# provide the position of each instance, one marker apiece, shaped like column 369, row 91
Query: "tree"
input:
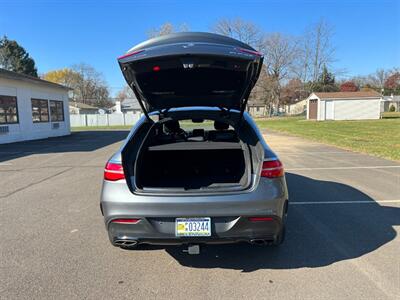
column 326, row 82
column 378, row 78
column 166, row 28
column 348, row 86
column 66, row 77
column 88, row 84
column 393, row 82
column 126, row 93
column 280, row 53
column 91, row 87
column 293, row 91
column 315, row 51
column 14, row 57
column 241, row 30
column 376, row 81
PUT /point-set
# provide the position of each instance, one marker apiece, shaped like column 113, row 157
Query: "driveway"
column 342, row 239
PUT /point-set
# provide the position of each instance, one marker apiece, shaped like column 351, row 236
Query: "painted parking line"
column 5, row 164
column 313, row 152
column 344, row 202
column 343, row 168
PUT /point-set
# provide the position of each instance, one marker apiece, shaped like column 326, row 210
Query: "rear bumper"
column 161, row 231
column 228, row 212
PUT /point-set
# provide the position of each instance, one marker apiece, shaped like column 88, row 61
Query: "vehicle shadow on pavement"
column 317, row 234
column 82, row 141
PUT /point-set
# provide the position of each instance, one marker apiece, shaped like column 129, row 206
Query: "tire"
column 281, row 236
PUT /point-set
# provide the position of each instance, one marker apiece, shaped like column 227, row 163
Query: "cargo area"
column 197, row 159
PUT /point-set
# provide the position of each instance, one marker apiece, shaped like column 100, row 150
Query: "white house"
column 131, row 105
column 257, row 109
column 344, row 106
column 78, row 108
column 391, row 102
column 31, row 108
column 296, row 108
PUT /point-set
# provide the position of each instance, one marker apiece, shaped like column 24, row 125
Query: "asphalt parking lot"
column 342, row 240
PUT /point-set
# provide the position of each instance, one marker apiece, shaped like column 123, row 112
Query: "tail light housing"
column 126, row 221
column 260, row 219
column 272, row 169
column 113, row 172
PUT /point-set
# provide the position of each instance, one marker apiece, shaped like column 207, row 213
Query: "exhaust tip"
column 126, row 243
column 261, row 242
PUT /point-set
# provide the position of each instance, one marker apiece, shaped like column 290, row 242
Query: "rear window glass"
column 189, row 125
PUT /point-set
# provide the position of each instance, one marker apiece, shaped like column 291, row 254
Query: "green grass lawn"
column 377, row 137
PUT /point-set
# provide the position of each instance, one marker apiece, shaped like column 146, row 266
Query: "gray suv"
column 195, row 168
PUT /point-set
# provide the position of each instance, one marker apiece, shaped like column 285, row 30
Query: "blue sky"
column 58, row 34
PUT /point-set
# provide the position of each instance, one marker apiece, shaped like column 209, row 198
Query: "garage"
column 344, row 106
column 31, row 108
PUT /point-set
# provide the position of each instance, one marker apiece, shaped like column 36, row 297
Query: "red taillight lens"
column 130, row 54
column 156, row 68
column 113, row 172
column 272, row 169
column 260, row 219
column 250, row 51
column 126, row 221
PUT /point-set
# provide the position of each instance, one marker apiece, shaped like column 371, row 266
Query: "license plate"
column 193, row 227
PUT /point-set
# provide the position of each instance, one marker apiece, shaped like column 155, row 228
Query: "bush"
column 392, row 108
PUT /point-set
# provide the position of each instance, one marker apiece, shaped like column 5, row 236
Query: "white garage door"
column 356, row 109
column 329, row 113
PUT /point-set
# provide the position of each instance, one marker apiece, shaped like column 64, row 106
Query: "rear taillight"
column 113, row 172
column 126, row 221
column 260, row 219
column 272, row 169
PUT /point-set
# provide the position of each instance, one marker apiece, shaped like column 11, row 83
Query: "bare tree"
column 316, row 50
column 241, row 30
column 374, row 80
column 126, row 93
column 90, row 86
column 166, row 28
column 378, row 78
column 280, row 53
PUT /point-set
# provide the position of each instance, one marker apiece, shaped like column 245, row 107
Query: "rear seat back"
column 222, row 133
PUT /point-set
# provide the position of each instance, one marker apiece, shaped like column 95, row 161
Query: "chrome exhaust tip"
column 125, row 243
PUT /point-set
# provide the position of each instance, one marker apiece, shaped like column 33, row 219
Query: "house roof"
column 82, row 105
column 348, row 95
column 130, row 103
column 23, row 77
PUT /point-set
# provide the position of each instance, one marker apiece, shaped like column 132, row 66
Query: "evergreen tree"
column 326, row 82
column 13, row 57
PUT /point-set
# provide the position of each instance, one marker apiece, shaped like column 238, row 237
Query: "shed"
column 344, row 106
column 31, row 108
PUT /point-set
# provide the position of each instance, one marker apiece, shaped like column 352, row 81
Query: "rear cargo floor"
column 191, row 169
